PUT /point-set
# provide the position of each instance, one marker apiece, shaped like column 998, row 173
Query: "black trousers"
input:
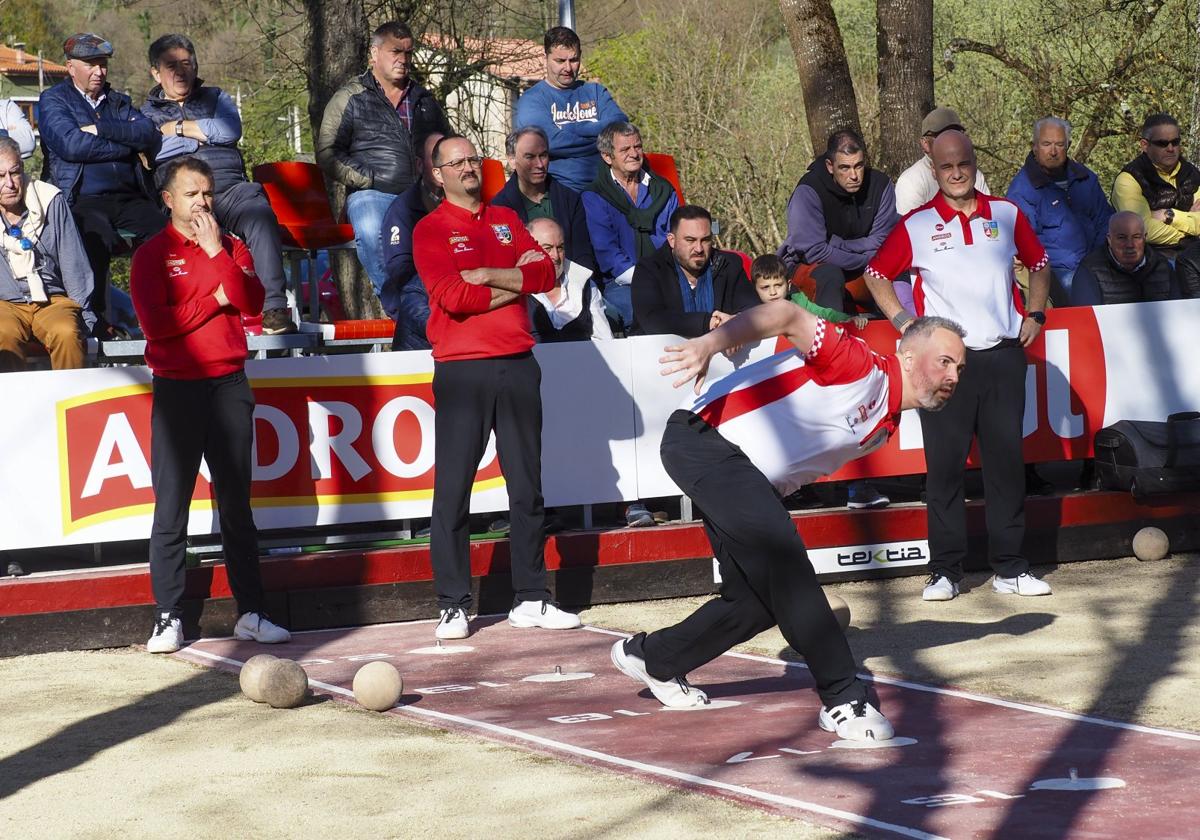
column 98, row 218
column 213, row 418
column 472, row 397
column 766, row 576
column 989, row 403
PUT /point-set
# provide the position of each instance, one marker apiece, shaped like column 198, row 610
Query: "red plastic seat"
column 664, row 166
column 493, row 178
column 296, row 191
column 746, row 261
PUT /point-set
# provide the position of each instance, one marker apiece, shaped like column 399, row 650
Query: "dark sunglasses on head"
column 16, row 233
column 1167, row 144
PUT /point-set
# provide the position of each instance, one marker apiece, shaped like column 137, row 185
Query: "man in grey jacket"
column 45, row 279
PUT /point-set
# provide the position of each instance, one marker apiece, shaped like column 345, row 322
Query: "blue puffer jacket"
column 121, row 132
column 1071, row 223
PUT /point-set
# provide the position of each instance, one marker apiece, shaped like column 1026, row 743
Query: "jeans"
column 366, row 209
column 618, row 304
column 411, row 314
column 1060, row 290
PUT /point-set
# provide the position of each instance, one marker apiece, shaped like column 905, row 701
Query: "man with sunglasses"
column 45, row 279
column 478, row 263
column 1161, row 187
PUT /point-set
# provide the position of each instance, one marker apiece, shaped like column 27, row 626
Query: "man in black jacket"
column 686, row 287
column 535, row 194
column 1161, row 187
column 201, row 121
column 1124, row 269
column 369, row 136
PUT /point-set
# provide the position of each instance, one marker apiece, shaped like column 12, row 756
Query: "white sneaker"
column 1022, row 584
column 677, row 693
column 542, row 614
column 167, row 636
column 256, row 627
column 856, row 721
column 939, row 588
column 453, row 624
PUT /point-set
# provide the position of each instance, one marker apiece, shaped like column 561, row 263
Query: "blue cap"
column 86, row 46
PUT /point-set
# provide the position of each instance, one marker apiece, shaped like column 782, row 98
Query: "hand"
column 222, row 298
column 531, row 256
column 718, row 318
column 167, row 129
column 1159, row 215
column 860, row 322
column 1029, row 331
column 475, row 276
column 691, row 359
column 89, row 129
column 208, row 232
column 1195, row 208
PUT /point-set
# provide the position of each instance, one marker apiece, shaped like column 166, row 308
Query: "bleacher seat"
column 664, row 166
column 493, row 178
column 296, row 191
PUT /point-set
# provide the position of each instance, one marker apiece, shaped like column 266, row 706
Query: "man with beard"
column 960, row 246
column 748, row 439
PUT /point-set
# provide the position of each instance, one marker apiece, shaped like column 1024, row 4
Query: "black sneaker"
column 277, row 322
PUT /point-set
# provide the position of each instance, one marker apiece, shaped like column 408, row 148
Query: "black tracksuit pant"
column 766, row 576
column 472, row 397
column 213, row 418
column 989, row 402
column 99, row 218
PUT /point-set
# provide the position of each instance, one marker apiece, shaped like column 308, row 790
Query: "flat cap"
column 87, row 45
column 940, row 119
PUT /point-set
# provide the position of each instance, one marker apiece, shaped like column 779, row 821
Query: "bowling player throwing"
column 743, row 442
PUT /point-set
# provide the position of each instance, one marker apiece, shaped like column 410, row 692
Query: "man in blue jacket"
column 1064, row 202
column 96, row 148
column 203, row 121
column 570, row 111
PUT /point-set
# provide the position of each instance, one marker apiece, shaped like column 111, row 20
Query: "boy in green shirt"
column 769, row 276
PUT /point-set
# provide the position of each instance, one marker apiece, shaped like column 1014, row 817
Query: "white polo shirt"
column 963, row 268
column 799, row 417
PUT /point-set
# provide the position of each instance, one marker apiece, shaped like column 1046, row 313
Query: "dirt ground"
column 124, row 744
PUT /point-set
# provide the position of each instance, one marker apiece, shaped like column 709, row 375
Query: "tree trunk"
column 904, row 42
column 337, row 50
column 829, row 101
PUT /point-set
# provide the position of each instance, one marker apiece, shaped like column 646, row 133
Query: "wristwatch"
column 1170, row 217
column 1038, row 316
column 179, row 128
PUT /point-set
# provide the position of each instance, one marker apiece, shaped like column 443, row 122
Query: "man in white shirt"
column 916, row 185
column 960, row 248
column 573, row 310
column 13, row 124
column 747, row 439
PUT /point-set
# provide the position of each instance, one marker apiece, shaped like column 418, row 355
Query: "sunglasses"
column 16, row 233
column 1167, row 144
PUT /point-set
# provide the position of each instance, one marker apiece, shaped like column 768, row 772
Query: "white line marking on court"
column 649, row 769
column 964, row 695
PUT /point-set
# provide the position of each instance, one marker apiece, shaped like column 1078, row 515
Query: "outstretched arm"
column 780, row 317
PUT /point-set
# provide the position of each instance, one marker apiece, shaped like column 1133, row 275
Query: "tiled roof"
column 13, row 62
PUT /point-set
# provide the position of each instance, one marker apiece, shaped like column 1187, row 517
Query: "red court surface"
column 962, row 765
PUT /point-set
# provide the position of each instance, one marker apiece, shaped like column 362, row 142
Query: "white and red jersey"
column 962, row 268
column 798, row 416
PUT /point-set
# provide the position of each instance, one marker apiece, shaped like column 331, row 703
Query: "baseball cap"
column 87, row 45
column 940, row 119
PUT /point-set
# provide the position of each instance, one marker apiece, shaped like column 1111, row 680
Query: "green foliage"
column 28, row 21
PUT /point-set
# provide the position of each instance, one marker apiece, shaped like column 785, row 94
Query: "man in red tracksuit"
column 478, row 262
column 190, row 286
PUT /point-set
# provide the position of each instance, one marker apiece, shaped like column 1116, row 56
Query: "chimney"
column 19, row 46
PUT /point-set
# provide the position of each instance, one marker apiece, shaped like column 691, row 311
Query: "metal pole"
column 566, row 13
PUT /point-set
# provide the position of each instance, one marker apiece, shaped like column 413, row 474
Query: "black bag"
column 1148, row 457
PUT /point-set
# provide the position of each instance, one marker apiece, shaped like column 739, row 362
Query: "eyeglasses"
column 458, row 164
column 1167, row 144
column 16, row 233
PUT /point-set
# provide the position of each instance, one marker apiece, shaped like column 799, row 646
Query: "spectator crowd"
column 618, row 250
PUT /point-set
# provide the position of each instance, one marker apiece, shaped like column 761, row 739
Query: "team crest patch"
column 503, row 233
column 991, row 229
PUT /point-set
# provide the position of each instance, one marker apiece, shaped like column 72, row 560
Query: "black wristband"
column 901, row 318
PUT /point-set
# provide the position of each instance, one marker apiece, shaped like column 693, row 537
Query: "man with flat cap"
column 96, row 148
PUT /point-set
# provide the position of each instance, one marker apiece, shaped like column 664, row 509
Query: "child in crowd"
column 769, row 276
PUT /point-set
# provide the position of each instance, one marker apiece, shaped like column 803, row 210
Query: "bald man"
column 1124, row 269
column 573, row 310
column 963, row 233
